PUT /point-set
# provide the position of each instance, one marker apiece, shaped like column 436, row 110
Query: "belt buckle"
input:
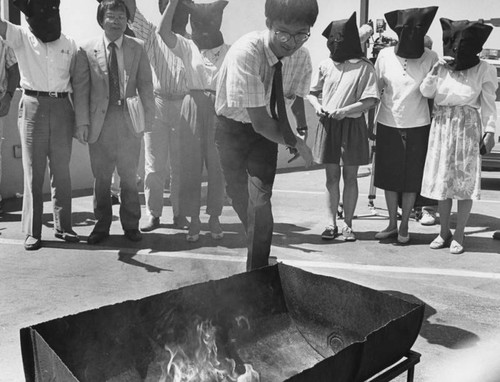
column 53, row 94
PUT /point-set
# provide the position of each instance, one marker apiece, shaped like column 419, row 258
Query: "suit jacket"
column 91, row 84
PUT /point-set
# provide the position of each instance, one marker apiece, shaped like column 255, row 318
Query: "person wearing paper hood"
column 162, row 152
column 347, row 86
column 202, row 57
column 403, row 119
column 464, row 91
column 46, row 60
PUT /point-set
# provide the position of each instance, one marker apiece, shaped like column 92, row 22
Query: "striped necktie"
column 114, row 78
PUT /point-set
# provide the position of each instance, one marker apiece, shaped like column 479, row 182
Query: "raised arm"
column 165, row 28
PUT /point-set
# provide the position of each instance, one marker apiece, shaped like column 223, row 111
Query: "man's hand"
column 5, row 105
column 82, row 134
column 304, row 151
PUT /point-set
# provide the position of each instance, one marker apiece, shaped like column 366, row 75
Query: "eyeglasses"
column 113, row 18
column 299, row 38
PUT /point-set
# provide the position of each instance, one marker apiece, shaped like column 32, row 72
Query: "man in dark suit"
column 110, row 69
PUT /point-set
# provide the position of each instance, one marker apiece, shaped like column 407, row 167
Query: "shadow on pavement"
column 448, row 336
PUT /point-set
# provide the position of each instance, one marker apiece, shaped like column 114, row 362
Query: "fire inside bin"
column 277, row 323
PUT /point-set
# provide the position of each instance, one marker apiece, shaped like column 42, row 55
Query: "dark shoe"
column 69, row 236
column 330, row 232
column 180, row 222
column 193, row 234
column 32, row 243
column 1, row 207
column 114, row 200
column 97, row 237
column 151, row 224
column 215, row 228
column 133, row 234
column 386, row 234
column 496, row 235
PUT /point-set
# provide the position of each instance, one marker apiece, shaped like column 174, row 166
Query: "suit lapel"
column 100, row 57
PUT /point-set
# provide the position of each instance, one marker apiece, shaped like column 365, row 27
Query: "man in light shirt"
column 247, row 137
column 9, row 79
column 161, row 145
column 45, row 58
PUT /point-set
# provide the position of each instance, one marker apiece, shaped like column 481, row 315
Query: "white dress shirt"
column 42, row 66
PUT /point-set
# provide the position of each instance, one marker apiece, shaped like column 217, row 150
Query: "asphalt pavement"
column 461, row 330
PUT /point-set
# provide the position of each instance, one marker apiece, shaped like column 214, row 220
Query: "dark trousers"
column 46, row 129
column 116, row 147
column 249, row 162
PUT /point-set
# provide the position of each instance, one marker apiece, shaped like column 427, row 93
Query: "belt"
column 170, row 97
column 36, row 93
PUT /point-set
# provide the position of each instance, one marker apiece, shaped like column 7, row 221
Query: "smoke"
column 477, row 363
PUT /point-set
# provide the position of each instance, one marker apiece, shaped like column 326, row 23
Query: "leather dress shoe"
column 152, row 223
column 68, row 236
column 133, row 234
column 32, row 243
column 181, row 222
column 97, row 237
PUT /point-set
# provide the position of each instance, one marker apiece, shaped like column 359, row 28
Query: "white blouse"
column 474, row 87
column 402, row 105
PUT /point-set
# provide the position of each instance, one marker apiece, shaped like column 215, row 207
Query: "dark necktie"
column 278, row 101
column 114, row 78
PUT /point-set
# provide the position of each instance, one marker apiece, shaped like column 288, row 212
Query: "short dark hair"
column 292, row 11
column 110, row 5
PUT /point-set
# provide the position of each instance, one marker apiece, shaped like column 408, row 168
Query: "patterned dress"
column 463, row 102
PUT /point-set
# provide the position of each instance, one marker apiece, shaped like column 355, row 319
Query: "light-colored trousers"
column 161, row 146
column 46, row 130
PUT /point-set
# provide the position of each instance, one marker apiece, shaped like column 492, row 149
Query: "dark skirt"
column 400, row 158
column 343, row 142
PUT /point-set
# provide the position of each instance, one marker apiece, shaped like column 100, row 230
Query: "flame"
column 196, row 360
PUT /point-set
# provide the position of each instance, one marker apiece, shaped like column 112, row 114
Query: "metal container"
column 288, row 324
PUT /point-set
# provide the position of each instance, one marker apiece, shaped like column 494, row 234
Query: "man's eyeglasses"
column 299, row 38
column 113, row 18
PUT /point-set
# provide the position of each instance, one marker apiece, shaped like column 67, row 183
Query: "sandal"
column 456, row 248
column 439, row 242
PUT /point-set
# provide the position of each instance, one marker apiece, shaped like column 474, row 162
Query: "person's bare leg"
column 406, row 207
column 350, row 192
column 333, row 190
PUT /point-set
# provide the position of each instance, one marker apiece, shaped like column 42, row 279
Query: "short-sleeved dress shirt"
column 245, row 79
column 402, row 105
column 202, row 66
column 345, row 83
column 42, row 66
column 169, row 74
